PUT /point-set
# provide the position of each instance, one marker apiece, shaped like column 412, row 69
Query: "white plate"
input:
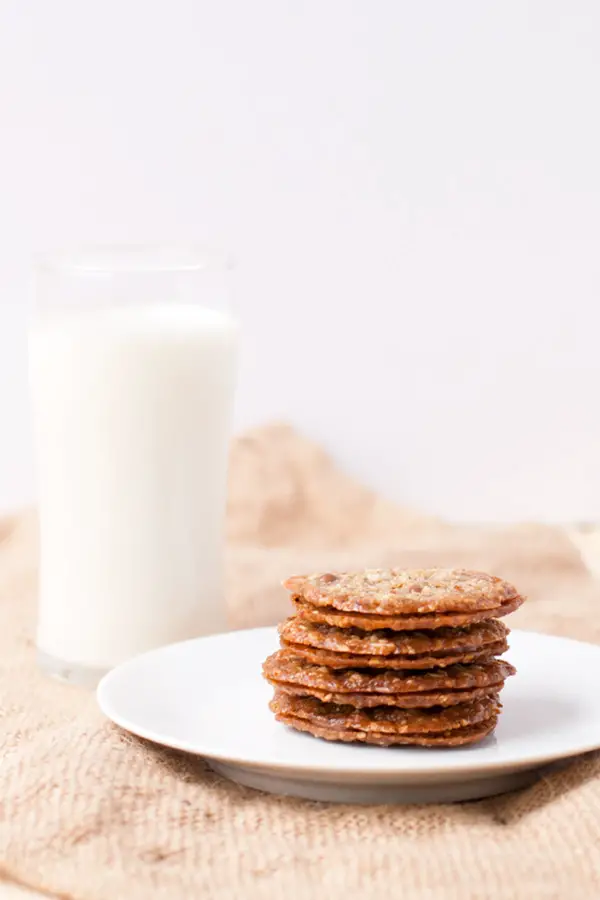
column 207, row 697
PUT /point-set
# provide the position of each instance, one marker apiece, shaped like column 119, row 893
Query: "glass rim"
column 131, row 259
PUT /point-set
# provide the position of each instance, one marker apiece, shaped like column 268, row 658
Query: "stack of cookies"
column 393, row 656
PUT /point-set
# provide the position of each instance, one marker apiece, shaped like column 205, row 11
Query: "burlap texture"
column 89, row 813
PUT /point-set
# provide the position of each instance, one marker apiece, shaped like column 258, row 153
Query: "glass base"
column 70, row 673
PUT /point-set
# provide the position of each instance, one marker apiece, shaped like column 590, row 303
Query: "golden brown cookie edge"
column 386, row 719
column 421, row 700
column 284, row 665
column 367, row 622
column 455, row 738
column 334, row 660
column 297, row 630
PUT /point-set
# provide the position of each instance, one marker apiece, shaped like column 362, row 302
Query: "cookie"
column 441, row 658
column 330, row 616
column 393, row 656
column 457, row 737
column 421, row 700
column 285, row 667
column 401, row 592
column 384, row 719
column 392, row 643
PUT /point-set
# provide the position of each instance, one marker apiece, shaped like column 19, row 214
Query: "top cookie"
column 403, row 591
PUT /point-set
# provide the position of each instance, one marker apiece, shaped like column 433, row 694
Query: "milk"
column 132, row 410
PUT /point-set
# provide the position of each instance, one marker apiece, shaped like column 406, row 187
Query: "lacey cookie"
column 401, row 592
column 389, row 641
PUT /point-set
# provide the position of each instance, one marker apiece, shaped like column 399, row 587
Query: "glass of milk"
column 132, row 370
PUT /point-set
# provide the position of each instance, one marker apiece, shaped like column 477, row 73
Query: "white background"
column 412, row 193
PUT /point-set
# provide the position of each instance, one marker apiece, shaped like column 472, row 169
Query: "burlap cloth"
column 89, row 813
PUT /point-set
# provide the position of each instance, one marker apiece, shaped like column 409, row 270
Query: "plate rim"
column 469, row 767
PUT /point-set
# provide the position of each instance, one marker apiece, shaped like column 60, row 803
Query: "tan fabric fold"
column 89, row 813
